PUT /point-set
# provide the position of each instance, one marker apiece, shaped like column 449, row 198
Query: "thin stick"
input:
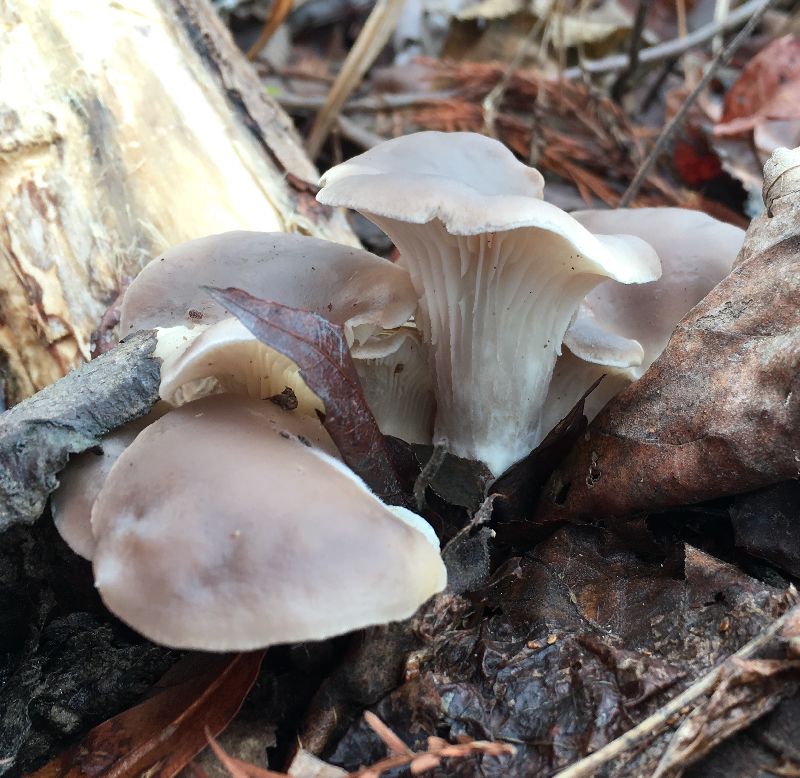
column 356, row 133
column 721, row 9
column 655, row 723
column 618, row 90
column 677, row 120
column 388, row 102
column 668, row 49
column 428, row 473
column 280, row 10
column 492, row 100
column 379, row 26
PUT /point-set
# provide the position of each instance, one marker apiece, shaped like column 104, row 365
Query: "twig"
column 721, row 9
column 357, row 134
column 428, row 473
column 292, row 102
column 654, row 89
column 633, row 54
column 280, row 10
column 676, row 120
column 373, row 37
column 653, row 724
column 662, row 51
column 495, row 96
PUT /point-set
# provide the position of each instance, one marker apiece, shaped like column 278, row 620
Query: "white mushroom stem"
column 398, row 385
column 494, row 308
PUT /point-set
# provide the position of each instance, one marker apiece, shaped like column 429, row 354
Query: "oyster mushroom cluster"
column 224, row 521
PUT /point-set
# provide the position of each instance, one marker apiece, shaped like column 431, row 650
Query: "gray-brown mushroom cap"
column 615, row 320
column 227, row 357
column 80, row 483
column 219, row 528
column 346, row 285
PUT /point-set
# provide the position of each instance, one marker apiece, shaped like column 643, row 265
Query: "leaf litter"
column 559, row 636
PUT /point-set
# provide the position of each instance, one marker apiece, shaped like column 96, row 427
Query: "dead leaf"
column 718, row 413
column 161, row 735
column 765, row 524
column 767, row 89
column 320, row 350
column 752, row 688
column 581, row 638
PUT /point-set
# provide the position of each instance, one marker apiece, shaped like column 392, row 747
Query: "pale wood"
column 126, row 126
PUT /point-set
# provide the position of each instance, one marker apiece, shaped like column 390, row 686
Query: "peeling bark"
column 125, row 128
column 38, row 435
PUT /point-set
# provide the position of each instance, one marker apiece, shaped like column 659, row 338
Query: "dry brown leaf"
column 165, row 732
column 767, row 89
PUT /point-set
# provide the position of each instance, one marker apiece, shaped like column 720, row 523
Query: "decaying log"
column 125, row 127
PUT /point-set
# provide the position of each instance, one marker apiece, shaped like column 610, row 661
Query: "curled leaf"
column 320, row 350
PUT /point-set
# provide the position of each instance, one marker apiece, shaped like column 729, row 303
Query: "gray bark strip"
column 68, row 417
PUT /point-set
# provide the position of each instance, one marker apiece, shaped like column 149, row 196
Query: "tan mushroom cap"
column 237, row 362
column 346, row 285
column 499, row 274
column 220, row 529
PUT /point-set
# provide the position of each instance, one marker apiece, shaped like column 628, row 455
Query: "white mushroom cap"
column 236, row 360
column 572, row 377
column 615, row 320
column 398, row 385
column 348, row 286
column 437, row 175
column 499, row 277
column 220, row 529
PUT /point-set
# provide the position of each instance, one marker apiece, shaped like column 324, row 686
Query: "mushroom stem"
column 495, row 322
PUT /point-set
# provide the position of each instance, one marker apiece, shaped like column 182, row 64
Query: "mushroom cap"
column 220, row 529
column 498, row 271
column 468, row 181
column 396, row 377
column 80, row 483
column 588, row 340
column 697, row 252
column 236, row 361
column 346, row 285
column 572, row 376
